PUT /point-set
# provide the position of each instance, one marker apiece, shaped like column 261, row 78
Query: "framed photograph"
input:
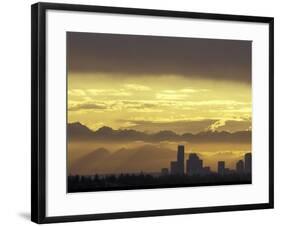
column 139, row 112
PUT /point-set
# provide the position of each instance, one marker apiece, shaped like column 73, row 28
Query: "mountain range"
column 148, row 158
column 79, row 132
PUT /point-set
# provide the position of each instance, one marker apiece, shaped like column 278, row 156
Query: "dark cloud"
column 177, row 126
column 129, row 55
column 87, row 106
column 195, row 126
column 137, row 104
column 232, row 125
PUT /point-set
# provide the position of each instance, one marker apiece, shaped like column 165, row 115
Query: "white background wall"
column 15, row 111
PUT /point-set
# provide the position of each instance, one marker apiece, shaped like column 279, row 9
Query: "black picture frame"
column 38, row 111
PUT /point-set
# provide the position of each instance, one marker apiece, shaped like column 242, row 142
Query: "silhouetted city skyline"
column 194, row 165
column 181, row 173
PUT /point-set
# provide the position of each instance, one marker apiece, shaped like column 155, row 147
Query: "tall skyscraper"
column 240, row 166
column 180, row 159
column 221, row 167
column 248, row 162
column 194, row 165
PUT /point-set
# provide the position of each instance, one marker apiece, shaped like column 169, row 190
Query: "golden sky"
column 149, row 103
column 152, row 83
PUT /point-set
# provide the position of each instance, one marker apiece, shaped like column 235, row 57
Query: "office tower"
column 194, row 165
column 174, row 167
column 221, row 167
column 248, row 162
column 240, row 166
column 180, row 159
column 164, row 171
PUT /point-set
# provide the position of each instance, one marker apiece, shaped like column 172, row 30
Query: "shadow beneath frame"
column 25, row 216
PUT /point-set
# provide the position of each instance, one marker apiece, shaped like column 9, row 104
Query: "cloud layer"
column 126, row 55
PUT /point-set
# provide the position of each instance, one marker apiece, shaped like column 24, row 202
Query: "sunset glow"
column 160, row 92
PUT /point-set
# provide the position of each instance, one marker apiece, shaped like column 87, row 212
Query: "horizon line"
column 149, row 133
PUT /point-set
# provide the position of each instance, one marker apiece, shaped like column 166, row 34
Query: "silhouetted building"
column 194, row 165
column 221, row 167
column 177, row 167
column 180, row 159
column 164, row 171
column 174, row 168
column 206, row 171
column 248, row 163
column 240, row 166
column 228, row 171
